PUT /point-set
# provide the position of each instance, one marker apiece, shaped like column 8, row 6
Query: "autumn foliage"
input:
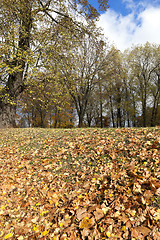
column 80, row 184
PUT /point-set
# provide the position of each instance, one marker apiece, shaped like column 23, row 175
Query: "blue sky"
column 125, row 6
column 116, row 5
column 129, row 22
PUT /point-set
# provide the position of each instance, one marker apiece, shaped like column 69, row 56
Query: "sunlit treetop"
column 89, row 10
column 83, row 7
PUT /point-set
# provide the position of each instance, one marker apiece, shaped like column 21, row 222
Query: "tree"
column 19, row 19
column 114, row 86
column 16, row 24
column 80, row 68
column 130, row 92
column 143, row 65
column 44, row 105
column 99, row 97
column 155, row 87
column 155, row 90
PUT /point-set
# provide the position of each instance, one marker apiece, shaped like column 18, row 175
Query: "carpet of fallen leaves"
column 80, row 184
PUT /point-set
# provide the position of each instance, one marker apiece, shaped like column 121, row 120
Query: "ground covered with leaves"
column 80, row 184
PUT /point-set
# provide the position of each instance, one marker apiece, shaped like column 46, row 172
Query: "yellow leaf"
column 123, row 228
column 80, row 196
column 157, row 215
column 35, row 228
column 38, row 204
column 133, row 212
column 9, row 235
column 101, row 229
column 105, row 210
column 1, row 233
column 108, row 234
column 44, row 212
column 44, row 233
column 61, row 224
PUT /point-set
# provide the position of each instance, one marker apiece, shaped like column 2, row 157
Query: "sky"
column 130, row 22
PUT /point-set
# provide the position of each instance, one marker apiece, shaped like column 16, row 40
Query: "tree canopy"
column 58, row 70
column 24, row 29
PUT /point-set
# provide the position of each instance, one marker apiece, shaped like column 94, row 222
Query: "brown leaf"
column 98, row 214
column 136, row 234
column 144, row 230
column 86, row 223
column 80, row 213
column 137, row 188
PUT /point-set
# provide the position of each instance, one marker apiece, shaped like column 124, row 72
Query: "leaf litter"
column 80, row 184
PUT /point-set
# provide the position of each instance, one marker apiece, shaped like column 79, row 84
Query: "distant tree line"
column 94, row 84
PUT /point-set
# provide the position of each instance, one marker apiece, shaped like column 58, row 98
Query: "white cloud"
column 130, row 4
column 150, row 26
column 134, row 28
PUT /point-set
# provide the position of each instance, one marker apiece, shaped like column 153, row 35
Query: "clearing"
column 80, row 184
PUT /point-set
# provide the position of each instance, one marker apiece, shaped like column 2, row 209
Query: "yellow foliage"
column 8, row 236
column 108, row 234
column 44, row 233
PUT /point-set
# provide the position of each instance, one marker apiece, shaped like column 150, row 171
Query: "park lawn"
column 80, row 183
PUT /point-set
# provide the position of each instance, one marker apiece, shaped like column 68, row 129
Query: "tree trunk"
column 156, row 101
column 153, row 114
column 134, row 112
column 15, row 83
column 127, row 105
column 80, row 120
column 101, row 104
column 128, row 120
column 144, row 112
column 56, row 118
column 89, row 119
column 119, row 117
column 81, row 105
column 101, row 113
column 8, row 100
column 7, row 115
column 112, row 113
column 42, row 119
